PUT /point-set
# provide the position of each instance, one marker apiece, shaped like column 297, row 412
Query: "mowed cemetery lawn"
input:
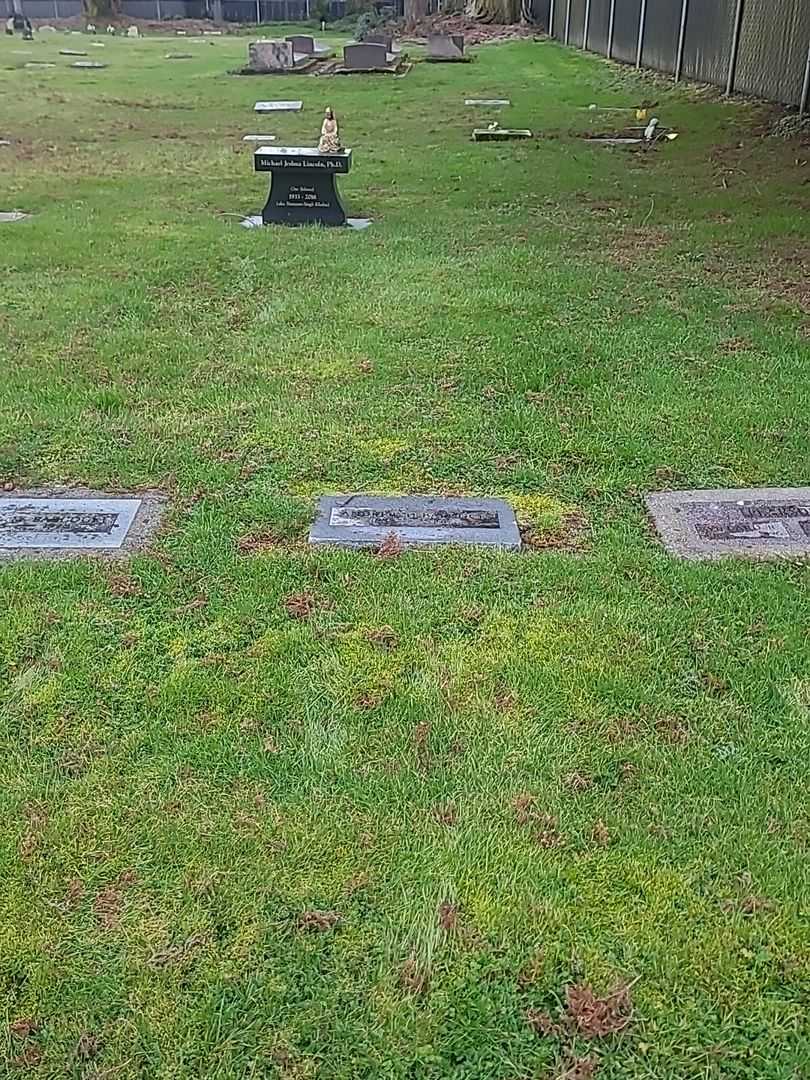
column 278, row 812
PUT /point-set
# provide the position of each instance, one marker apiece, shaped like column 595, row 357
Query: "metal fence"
column 759, row 47
column 241, row 11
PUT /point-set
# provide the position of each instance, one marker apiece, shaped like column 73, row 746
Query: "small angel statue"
column 329, row 142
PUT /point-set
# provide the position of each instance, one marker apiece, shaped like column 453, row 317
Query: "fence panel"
column 576, row 25
column 661, row 26
column 707, row 45
column 560, row 7
column 773, row 50
column 625, row 34
column 598, row 25
column 138, row 9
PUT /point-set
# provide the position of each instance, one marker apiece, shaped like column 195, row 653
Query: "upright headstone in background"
column 308, row 46
column 366, row 56
column 302, row 43
column 267, row 56
column 445, row 47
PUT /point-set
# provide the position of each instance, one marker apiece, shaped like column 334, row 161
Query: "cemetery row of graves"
column 403, row 626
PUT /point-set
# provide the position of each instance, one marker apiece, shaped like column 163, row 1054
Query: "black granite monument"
column 302, row 185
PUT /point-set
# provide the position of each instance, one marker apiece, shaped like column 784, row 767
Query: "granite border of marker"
column 675, row 515
column 504, row 535
column 142, row 529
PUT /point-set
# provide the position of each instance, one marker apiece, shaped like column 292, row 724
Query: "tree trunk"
column 415, row 11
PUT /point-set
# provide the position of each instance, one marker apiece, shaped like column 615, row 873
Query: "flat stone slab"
column 71, row 52
column 13, row 215
column 500, row 134
column 764, row 523
column 356, row 521
column 278, row 106
column 60, row 524
column 87, row 64
column 256, row 221
column 487, row 103
column 258, row 138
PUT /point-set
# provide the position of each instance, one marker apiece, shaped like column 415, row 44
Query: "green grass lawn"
column 273, row 812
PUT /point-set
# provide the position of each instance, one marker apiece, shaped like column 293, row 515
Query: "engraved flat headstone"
column 487, row 103
column 258, row 138
column 32, row 523
column 368, row 521
column 278, row 106
column 500, row 134
column 87, row 64
column 71, row 52
column 13, row 215
column 757, row 522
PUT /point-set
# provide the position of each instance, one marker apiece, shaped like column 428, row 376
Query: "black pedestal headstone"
column 302, row 185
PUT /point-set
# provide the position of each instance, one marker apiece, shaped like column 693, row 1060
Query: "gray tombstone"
column 445, row 47
column 710, row 524
column 366, row 56
column 302, row 43
column 51, row 523
column 414, row 521
column 267, row 56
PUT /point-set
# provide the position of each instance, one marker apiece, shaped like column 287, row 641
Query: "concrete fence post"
column 611, row 28
column 642, row 22
column 805, row 86
column 681, row 40
column 735, row 46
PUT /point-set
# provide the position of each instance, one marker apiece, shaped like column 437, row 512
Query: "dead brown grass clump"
column 318, row 921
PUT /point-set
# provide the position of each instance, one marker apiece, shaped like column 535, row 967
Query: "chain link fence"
column 759, row 47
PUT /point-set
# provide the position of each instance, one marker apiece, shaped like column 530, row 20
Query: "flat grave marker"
column 757, row 522
column 278, row 106
column 87, row 64
column 35, row 523
column 487, row 103
column 258, row 138
column 500, row 134
column 13, row 215
column 357, row 521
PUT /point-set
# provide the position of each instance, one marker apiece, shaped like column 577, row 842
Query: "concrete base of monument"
column 59, row 523
column 255, row 221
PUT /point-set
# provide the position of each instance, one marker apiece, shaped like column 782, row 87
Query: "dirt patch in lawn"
column 778, row 271
column 629, row 247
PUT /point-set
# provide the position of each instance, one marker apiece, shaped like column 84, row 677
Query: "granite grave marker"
column 368, row 521
column 710, row 524
column 35, row 523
